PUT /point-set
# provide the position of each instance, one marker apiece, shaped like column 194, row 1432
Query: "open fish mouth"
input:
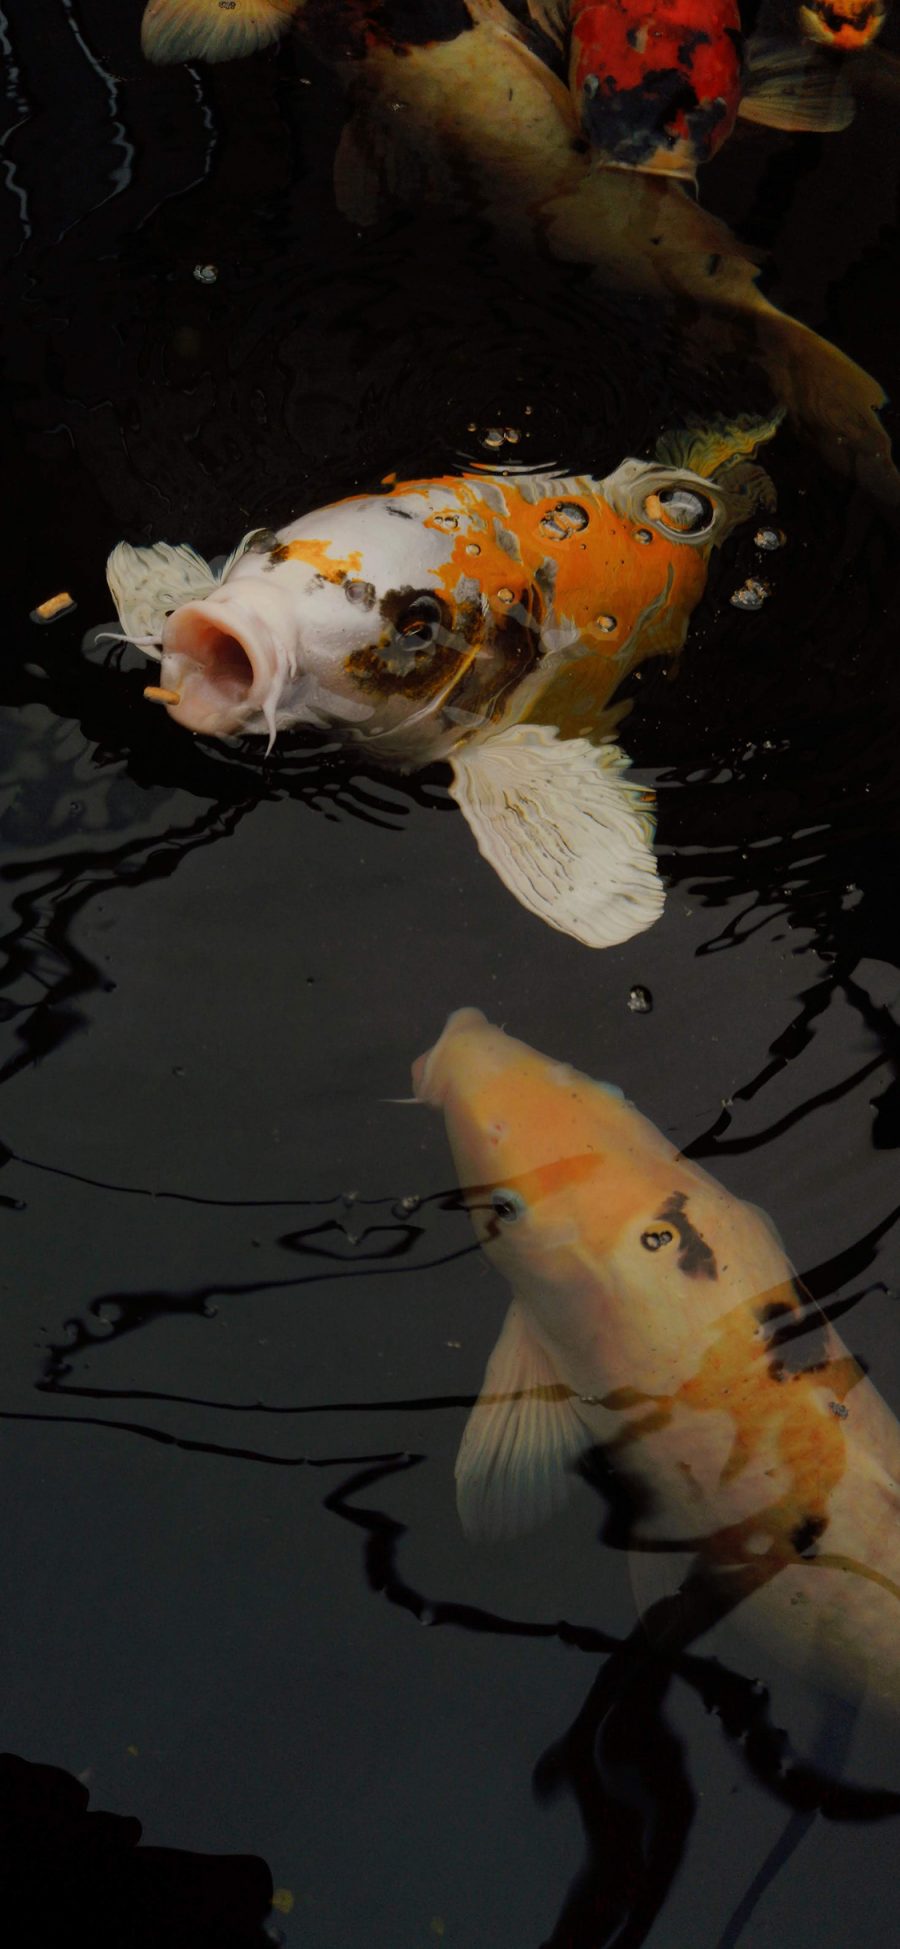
column 222, row 668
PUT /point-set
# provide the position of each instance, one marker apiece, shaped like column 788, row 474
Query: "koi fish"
column 846, row 24
column 656, row 1315
column 659, row 84
column 485, row 621
column 485, row 113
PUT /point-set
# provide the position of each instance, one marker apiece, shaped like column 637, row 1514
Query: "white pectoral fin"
column 520, row 1441
column 565, row 830
column 146, row 583
column 212, row 30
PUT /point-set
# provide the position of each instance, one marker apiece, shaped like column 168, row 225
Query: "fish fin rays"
column 520, row 1441
column 207, row 30
column 794, row 87
column 146, row 583
column 563, row 828
column 719, row 444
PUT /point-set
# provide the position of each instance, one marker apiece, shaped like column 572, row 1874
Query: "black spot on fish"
column 836, row 18
column 403, row 514
column 806, row 1535
column 695, row 1257
column 361, row 593
column 418, row 651
column 633, row 124
column 687, row 48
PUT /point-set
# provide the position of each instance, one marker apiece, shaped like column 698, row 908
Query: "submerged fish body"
column 484, row 112
column 483, row 620
column 656, row 1315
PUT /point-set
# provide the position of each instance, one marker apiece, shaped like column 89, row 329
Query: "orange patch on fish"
column 315, row 554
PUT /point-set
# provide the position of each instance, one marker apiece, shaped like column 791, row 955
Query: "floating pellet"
column 54, row 607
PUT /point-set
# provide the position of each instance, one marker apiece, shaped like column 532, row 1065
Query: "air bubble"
column 769, row 539
column 206, row 273
column 567, row 518
column 405, row 1206
column 607, row 624
column 751, row 595
column 472, row 548
column 640, row 1001
column 643, row 534
column 654, row 1241
column 838, row 1408
column 505, row 595
column 494, row 437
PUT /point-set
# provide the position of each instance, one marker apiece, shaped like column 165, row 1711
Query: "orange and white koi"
column 656, row 1315
column 849, row 25
column 483, row 620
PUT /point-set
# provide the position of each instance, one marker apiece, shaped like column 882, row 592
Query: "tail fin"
column 794, row 87
column 213, row 30
column 833, row 401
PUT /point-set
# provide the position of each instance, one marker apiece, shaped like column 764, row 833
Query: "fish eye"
column 654, row 1241
column 508, row 1205
column 680, row 508
column 419, row 623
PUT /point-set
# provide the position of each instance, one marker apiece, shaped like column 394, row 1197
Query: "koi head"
column 658, row 87
column 626, row 1256
column 846, row 24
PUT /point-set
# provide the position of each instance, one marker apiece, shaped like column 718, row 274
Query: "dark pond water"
column 238, row 1607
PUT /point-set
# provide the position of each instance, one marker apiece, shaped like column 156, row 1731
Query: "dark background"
column 235, row 1368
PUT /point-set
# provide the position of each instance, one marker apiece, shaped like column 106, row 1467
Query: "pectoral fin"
column 148, row 583
column 794, row 87
column 567, row 833
column 212, row 30
column 521, row 1438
